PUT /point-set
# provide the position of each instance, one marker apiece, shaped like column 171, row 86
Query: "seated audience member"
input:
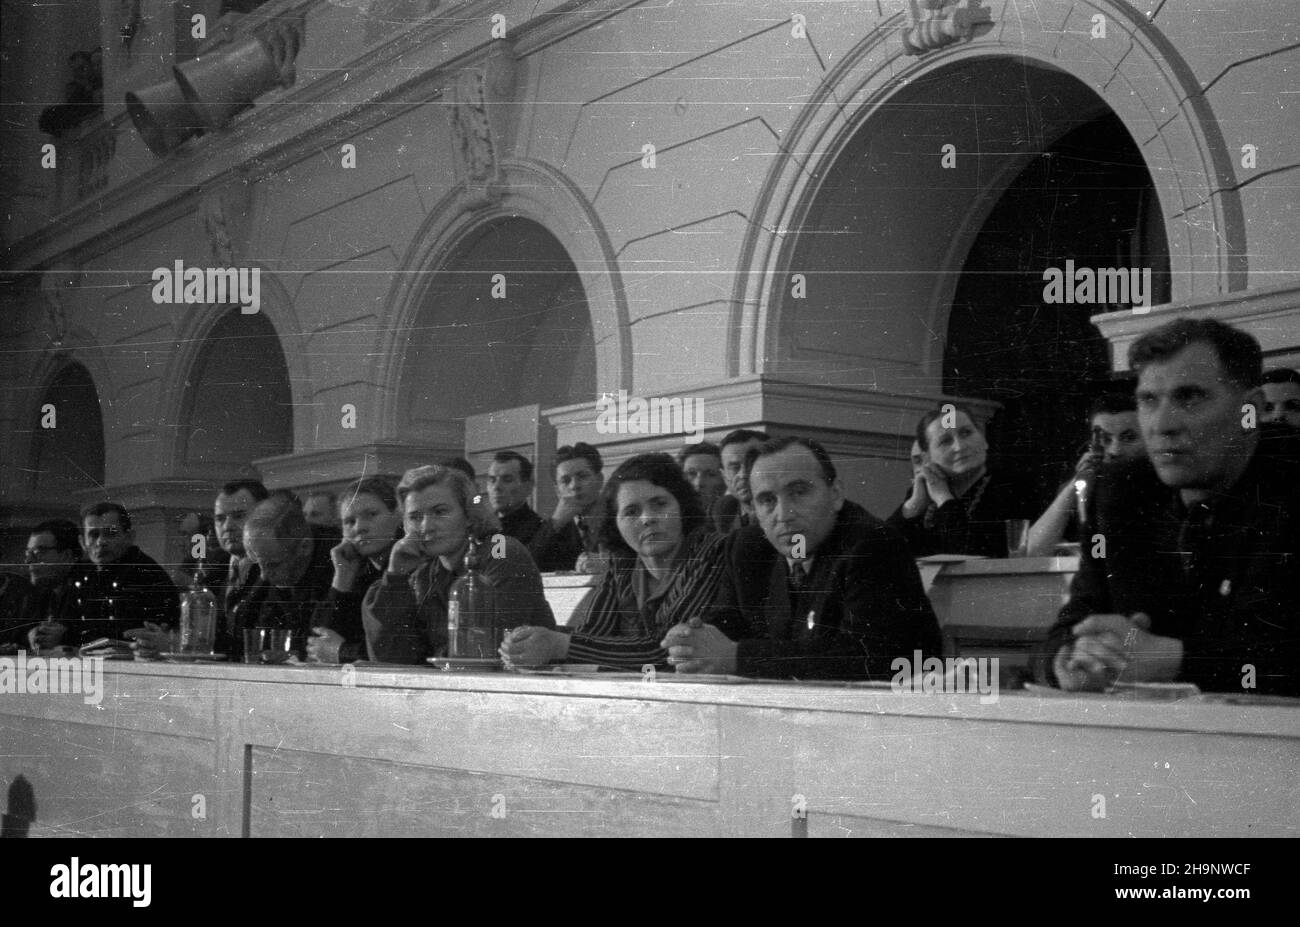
column 958, row 504
column 294, row 572
column 665, row 567
column 45, row 593
column 702, row 465
column 405, row 612
column 1198, row 582
column 321, row 509
column 230, row 583
column 1116, row 436
column 826, row 590
column 1282, row 397
column 574, row 528
column 196, row 527
column 234, row 503
column 917, row 459
column 510, row 483
column 119, row 589
column 372, row 523
column 735, row 509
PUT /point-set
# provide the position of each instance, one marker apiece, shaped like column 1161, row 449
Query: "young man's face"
column 506, row 488
column 1282, row 403
column 793, row 501
column 229, row 513
column 104, row 538
column 45, row 562
column 319, row 512
column 733, row 468
column 704, row 472
column 1121, row 437
column 1191, row 419
column 917, row 458
column 576, row 480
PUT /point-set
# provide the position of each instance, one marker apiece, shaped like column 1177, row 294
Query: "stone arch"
column 193, row 341
column 71, row 456
column 536, row 192
column 1145, row 83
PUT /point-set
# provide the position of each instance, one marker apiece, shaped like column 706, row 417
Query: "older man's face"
column 796, row 507
column 283, row 562
column 1191, row 418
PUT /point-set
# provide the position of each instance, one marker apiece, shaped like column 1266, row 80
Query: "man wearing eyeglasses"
column 1191, row 574
column 121, row 587
column 44, row 593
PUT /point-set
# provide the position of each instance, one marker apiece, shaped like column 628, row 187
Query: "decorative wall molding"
column 936, row 23
column 482, row 116
column 55, row 286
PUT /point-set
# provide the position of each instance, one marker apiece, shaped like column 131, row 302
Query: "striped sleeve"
column 614, row 635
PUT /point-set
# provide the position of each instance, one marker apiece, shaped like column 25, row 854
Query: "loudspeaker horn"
column 222, row 83
column 162, row 116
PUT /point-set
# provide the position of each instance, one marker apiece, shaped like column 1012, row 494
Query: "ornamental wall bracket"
column 482, row 115
column 936, row 23
column 225, row 213
column 55, row 286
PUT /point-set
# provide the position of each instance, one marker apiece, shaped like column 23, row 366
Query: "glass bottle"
column 198, row 616
column 473, row 620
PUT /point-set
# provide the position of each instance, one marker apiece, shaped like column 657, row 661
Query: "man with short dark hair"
column 119, row 589
column 45, row 594
column 1190, row 574
column 1115, row 436
column 321, row 509
column 1282, row 397
column 509, row 484
column 702, row 465
column 735, row 509
column 295, row 570
column 575, row 525
column 828, row 591
column 230, row 511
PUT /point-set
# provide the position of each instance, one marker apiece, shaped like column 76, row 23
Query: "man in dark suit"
column 295, row 570
column 509, row 484
column 1191, row 573
column 828, row 591
column 735, row 509
column 119, row 588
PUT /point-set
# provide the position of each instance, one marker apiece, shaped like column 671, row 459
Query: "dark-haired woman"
column 958, row 504
column 665, row 567
column 372, row 523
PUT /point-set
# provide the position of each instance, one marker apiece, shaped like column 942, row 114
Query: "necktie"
column 798, row 577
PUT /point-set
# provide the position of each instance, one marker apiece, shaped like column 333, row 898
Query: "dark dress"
column 973, row 523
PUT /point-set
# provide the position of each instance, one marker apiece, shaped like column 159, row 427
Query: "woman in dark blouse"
column 372, row 523
column 665, row 567
column 958, row 504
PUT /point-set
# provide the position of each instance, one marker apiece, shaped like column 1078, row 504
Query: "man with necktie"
column 828, row 591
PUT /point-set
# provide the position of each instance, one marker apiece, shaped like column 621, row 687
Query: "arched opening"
column 925, row 242
column 238, row 406
column 1044, row 360
column 68, row 438
column 504, row 324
